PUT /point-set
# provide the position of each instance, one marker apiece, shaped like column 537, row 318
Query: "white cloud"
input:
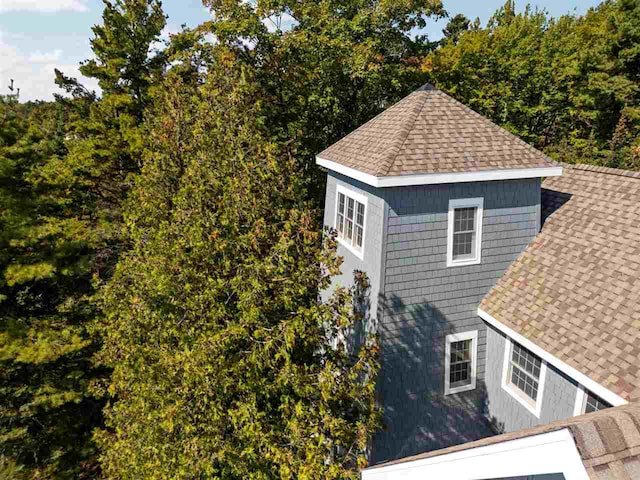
column 45, row 6
column 34, row 73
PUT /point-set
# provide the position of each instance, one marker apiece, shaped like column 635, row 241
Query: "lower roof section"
column 574, row 291
column 594, row 387
column 440, row 178
column 599, row 445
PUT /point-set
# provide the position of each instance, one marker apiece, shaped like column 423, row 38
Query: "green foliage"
column 44, row 367
column 456, row 27
column 568, row 86
column 65, row 169
column 325, row 67
column 224, row 360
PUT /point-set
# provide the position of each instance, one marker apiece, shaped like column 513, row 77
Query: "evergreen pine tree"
column 65, row 169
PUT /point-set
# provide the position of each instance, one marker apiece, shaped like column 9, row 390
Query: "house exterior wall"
column 422, row 300
column 416, row 300
column 558, row 395
column 373, row 239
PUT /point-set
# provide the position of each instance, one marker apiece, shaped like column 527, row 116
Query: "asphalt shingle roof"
column 608, row 442
column 430, row 132
column 575, row 291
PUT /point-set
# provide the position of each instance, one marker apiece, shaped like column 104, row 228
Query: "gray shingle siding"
column 558, row 395
column 423, row 300
column 373, row 239
column 419, row 300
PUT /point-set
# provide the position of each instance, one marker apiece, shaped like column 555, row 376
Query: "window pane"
column 341, row 203
column 348, row 231
column 524, row 382
column 360, row 214
column 340, row 226
column 358, row 237
column 350, row 205
column 462, row 245
column 460, row 363
column 464, row 219
column 526, row 360
column 594, row 403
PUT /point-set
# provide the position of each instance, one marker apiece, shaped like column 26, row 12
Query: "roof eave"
column 439, row 178
column 593, row 386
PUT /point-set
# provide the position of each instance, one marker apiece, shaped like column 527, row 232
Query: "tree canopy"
column 161, row 245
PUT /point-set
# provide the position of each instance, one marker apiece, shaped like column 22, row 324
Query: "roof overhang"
column 543, row 454
column 607, row 395
column 438, row 178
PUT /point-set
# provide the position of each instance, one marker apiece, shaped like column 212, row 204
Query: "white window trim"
column 581, row 396
column 358, row 252
column 580, row 406
column 607, row 395
column 458, row 337
column 477, row 203
column 514, row 391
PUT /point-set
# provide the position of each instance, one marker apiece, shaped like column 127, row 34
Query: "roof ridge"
column 606, row 170
column 397, row 150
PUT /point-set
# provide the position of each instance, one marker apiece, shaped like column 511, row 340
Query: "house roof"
column 608, row 442
column 429, row 132
column 575, row 291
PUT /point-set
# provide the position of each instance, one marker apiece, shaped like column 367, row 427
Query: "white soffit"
column 438, row 178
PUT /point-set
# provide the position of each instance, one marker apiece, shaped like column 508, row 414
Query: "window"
column 460, row 362
column 523, row 376
column 588, row 402
column 464, row 231
column 350, row 218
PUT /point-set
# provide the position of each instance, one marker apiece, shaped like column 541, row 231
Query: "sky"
column 37, row 36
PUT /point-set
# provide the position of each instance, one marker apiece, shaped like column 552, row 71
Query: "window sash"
column 593, row 403
column 460, row 363
column 350, row 220
column 524, row 371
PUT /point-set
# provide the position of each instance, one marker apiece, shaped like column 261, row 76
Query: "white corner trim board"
column 582, row 379
column 438, row 178
column 546, row 453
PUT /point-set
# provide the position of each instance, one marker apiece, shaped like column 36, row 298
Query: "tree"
column 65, row 172
column 568, row 86
column 456, row 26
column 324, row 68
column 225, row 364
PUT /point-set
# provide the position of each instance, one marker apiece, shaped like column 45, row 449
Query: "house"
column 503, row 303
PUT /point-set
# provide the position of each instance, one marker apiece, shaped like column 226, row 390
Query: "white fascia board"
column 439, row 178
column 546, row 453
column 581, row 378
